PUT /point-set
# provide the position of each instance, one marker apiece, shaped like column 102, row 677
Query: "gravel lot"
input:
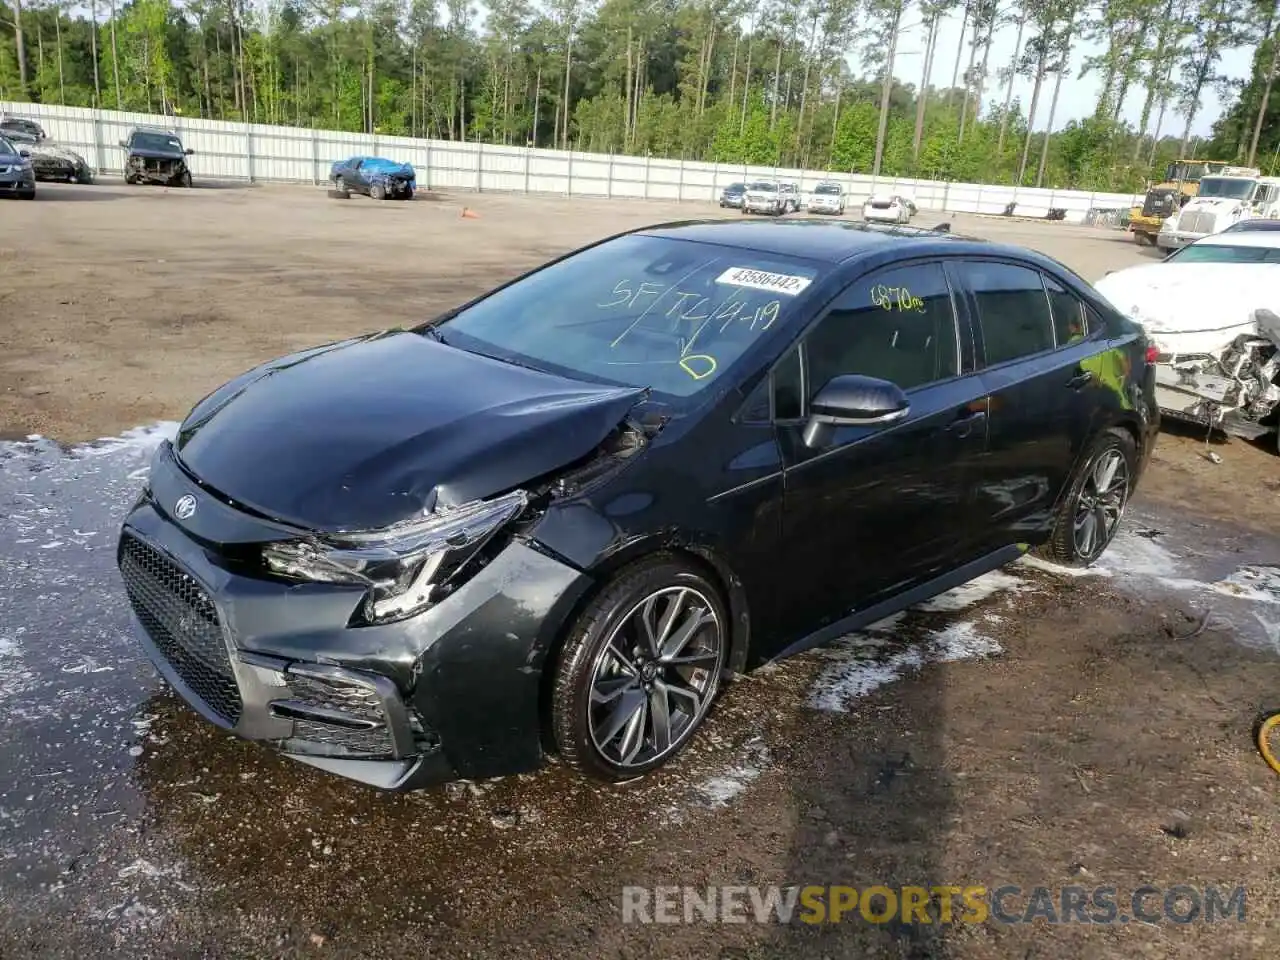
column 1034, row 728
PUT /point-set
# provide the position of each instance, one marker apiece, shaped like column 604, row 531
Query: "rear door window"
column 1013, row 309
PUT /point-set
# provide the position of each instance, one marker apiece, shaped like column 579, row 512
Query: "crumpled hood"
column 1194, row 307
column 46, row 149
column 388, row 168
column 368, row 432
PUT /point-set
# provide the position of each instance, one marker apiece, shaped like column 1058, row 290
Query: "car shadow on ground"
column 872, row 805
column 75, row 193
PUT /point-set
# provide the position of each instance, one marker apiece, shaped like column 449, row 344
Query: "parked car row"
column 775, row 198
column 29, row 154
column 49, row 160
column 157, row 155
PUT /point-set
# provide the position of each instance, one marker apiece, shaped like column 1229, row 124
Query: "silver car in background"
column 827, row 197
column 764, row 196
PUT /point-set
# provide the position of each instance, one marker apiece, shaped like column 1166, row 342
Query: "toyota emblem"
column 185, row 507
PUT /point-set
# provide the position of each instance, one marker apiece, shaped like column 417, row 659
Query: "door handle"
column 1081, row 378
column 963, row 425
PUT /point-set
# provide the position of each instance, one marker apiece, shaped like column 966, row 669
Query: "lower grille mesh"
column 353, row 700
column 183, row 623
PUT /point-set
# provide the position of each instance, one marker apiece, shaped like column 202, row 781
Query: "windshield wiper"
column 436, row 335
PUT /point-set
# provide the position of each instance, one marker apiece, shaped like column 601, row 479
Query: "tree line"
column 808, row 83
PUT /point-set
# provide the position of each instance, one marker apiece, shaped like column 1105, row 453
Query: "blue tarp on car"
column 385, row 166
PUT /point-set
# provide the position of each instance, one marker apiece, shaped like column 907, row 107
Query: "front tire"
column 639, row 670
column 378, row 192
column 1089, row 516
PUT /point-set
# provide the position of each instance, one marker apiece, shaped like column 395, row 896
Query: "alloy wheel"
column 655, row 677
column 1100, row 504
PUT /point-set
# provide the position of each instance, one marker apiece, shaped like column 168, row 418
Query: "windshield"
column 762, row 187
column 1253, row 224
column 640, row 311
column 1225, row 253
column 7, row 147
column 1231, row 188
column 827, row 188
column 156, row 141
column 735, row 188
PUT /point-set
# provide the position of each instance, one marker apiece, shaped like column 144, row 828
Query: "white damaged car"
column 884, row 208
column 1212, row 311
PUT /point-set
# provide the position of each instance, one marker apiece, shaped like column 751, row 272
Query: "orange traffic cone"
column 469, row 214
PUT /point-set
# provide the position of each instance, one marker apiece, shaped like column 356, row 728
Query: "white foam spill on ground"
column 1258, row 583
column 975, row 591
column 1138, row 561
column 862, row 663
column 71, row 676
column 721, row 788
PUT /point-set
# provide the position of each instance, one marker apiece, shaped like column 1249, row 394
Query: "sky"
column 1079, row 98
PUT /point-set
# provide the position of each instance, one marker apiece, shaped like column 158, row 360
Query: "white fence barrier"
column 252, row 152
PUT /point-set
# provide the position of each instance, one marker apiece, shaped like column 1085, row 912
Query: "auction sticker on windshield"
column 762, row 280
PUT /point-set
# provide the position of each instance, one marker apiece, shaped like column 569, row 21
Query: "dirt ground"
column 1109, row 743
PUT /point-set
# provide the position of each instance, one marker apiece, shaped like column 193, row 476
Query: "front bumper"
column 762, row 206
column 398, row 187
column 61, row 168
column 731, row 200
column 1176, row 239
column 823, row 206
column 1199, row 399
column 155, row 170
column 454, row 692
column 13, row 180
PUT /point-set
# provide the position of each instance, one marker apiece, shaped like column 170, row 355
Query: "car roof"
column 827, row 241
column 1241, row 238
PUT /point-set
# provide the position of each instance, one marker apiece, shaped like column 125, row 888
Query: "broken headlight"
column 404, row 566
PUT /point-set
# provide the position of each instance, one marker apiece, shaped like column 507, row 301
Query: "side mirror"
column 853, row 400
column 188, row 151
column 24, row 153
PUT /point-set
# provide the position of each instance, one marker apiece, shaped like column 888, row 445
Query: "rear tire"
column 639, row 670
column 27, row 194
column 340, row 188
column 1089, row 516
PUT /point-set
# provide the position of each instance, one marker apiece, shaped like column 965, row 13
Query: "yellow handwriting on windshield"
column 624, row 294
column 698, row 365
column 896, row 298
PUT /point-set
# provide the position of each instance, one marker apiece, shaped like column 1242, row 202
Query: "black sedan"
column 560, row 517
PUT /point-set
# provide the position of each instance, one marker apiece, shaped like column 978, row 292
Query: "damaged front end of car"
column 51, row 162
column 139, row 168
column 1236, row 390
column 400, row 656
